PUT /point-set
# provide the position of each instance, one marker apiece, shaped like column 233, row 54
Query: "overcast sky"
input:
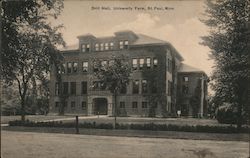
column 179, row 24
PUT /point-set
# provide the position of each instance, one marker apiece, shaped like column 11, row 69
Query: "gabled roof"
column 188, row 68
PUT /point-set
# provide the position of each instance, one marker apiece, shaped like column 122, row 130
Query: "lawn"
column 141, row 120
column 120, row 120
column 136, row 133
column 6, row 119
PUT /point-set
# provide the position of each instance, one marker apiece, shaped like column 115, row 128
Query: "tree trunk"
column 115, row 110
column 62, row 104
column 239, row 113
column 23, row 108
column 239, row 121
column 241, row 94
column 61, row 108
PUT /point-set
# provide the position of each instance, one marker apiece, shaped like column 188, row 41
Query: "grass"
column 6, row 119
column 121, row 120
column 136, row 133
column 133, row 126
column 143, row 120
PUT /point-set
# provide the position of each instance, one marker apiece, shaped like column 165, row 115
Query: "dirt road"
column 46, row 145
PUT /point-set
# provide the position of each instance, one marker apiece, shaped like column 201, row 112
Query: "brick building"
column 154, row 83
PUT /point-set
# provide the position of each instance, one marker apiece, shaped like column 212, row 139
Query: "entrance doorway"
column 100, row 106
column 184, row 109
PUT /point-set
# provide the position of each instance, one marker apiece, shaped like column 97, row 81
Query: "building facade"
column 153, row 89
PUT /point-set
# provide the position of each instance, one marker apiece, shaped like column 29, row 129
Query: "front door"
column 184, row 109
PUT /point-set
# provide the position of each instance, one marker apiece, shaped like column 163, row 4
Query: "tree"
column 229, row 44
column 29, row 43
column 10, row 104
column 115, row 76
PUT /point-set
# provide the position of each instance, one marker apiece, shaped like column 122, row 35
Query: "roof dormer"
column 86, row 42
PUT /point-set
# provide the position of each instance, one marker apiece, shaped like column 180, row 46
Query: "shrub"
column 104, row 126
column 226, row 114
column 122, row 126
column 148, row 126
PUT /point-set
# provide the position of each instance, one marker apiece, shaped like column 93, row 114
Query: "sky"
column 178, row 23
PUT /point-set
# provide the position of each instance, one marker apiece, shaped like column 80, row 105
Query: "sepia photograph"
column 125, row 79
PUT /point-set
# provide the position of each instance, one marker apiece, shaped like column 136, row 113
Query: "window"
column 122, row 104
column 144, row 104
column 106, row 46
column 102, row 47
column 57, row 92
column 144, row 86
column 154, row 86
column 85, row 66
column 123, row 89
column 121, row 45
column 185, row 79
column 185, row 89
column 84, row 105
column 69, row 67
column 56, row 104
column 126, row 44
column 96, row 47
column 72, row 88
column 141, row 63
column 134, row 105
column 83, row 48
column 155, row 62
column 87, row 48
column 63, row 68
column 169, row 88
column 97, row 85
column 84, row 87
column 135, row 87
column 169, row 65
column 135, row 64
column 65, row 88
column 75, row 66
column 73, row 105
column 148, row 62
column 111, row 45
